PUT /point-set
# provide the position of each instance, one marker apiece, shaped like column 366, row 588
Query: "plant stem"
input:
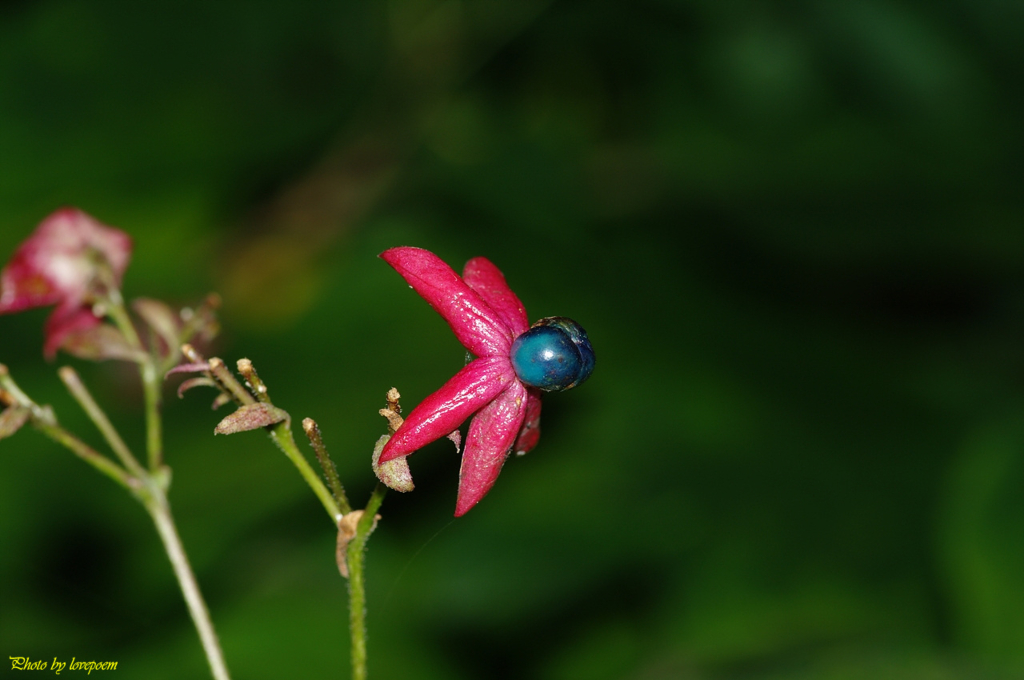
column 160, row 511
column 87, row 453
column 119, row 315
column 356, row 583
column 151, row 379
column 99, row 418
column 220, row 373
column 146, row 486
column 151, row 384
column 152, row 485
column 281, row 434
column 316, row 440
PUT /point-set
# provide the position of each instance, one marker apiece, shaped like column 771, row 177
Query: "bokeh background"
column 793, row 230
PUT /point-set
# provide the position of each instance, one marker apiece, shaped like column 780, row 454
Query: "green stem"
column 119, row 315
column 151, row 379
column 160, row 511
column 12, row 387
column 220, row 373
column 281, row 434
column 87, row 453
column 316, row 440
column 151, row 385
column 148, row 489
column 99, row 418
column 357, row 585
column 200, row 317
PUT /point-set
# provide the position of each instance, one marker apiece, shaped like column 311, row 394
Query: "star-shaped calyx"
column 500, row 388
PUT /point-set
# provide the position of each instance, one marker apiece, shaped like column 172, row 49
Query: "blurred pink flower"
column 63, row 263
column 486, row 317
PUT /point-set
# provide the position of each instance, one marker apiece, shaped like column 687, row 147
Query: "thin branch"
column 312, row 431
column 357, row 584
column 161, row 514
column 96, row 414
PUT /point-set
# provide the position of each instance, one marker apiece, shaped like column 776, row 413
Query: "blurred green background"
column 794, row 232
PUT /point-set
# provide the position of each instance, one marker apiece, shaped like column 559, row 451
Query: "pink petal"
column 22, row 286
column 490, row 439
column 481, row 275
column 71, row 232
column 530, row 434
column 200, row 367
column 64, row 322
column 468, row 391
column 478, row 327
column 57, row 262
column 100, row 342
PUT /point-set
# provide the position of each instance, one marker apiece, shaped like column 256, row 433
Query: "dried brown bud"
column 251, row 417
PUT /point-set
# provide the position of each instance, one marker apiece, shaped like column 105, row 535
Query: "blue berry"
column 553, row 355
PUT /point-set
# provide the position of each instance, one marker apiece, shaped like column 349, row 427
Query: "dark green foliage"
column 793, row 231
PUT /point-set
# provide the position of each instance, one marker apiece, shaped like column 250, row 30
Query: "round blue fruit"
column 553, row 355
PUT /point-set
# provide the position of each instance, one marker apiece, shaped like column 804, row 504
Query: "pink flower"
column 487, row 319
column 65, row 262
